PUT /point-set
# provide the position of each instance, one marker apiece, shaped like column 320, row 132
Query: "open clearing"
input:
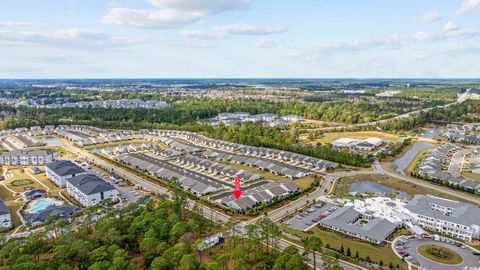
column 361, row 135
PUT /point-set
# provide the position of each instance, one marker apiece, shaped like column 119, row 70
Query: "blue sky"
column 239, row 38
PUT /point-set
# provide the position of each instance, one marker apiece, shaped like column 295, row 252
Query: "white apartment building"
column 35, row 157
column 89, row 189
column 448, row 217
column 59, row 171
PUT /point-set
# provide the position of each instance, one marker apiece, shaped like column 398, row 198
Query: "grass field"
column 343, row 184
column 330, row 137
column 430, row 252
column 471, row 175
column 22, row 182
column 336, row 240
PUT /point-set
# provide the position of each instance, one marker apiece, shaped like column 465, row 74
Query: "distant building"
column 59, row 171
column 368, row 144
column 34, row 157
column 89, row 189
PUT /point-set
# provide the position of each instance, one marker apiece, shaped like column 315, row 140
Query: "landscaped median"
column 440, row 254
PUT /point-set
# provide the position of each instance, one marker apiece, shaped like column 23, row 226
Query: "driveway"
column 306, row 218
column 470, row 261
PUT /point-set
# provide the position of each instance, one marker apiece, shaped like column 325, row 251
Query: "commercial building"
column 448, row 217
column 89, row 189
column 351, row 222
column 59, row 171
column 25, row 158
column 368, row 144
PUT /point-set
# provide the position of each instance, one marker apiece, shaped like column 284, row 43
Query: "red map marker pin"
column 237, row 193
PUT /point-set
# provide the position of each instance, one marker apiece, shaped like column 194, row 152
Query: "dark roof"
column 34, row 192
column 64, row 211
column 90, row 184
column 64, row 167
column 3, row 208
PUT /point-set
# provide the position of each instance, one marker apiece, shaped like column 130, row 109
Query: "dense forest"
column 189, row 110
column 161, row 235
column 468, row 111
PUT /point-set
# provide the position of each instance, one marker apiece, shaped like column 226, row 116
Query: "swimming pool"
column 38, row 205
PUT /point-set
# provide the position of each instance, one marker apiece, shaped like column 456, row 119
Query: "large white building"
column 448, row 217
column 25, row 158
column 369, row 144
column 89, row 189
column 59, row 171
column 5, row 218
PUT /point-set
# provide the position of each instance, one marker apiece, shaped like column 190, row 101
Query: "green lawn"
column 336, row 240
column 22, row 182
column 475, row 176
column 341, row 189
column 440, row 254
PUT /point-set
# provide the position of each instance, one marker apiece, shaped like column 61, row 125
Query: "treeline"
column 161, row 235
column 257, row 135
column 468, row 111
column 189, row 110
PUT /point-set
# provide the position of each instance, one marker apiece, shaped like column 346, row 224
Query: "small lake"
column 429, row 134
column 402, row 163
column 52, row 141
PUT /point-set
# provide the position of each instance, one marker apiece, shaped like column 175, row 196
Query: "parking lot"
column 408, row 250
column 310, row 216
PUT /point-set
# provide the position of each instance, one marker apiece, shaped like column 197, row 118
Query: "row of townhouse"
column 284, row 156
column 180, row 146
column 263, row 164
column 432, row 167
column 467, row 133
column 126, row 148
column 196, row 184
column 216, row 168
column 262, row 194
column 27, row 158
column 166, row 153
column 86, row 188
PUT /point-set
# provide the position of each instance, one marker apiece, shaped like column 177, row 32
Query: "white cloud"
column 267, row 43
column 204, row 6
column 225, row 31
column 14, row 24
column 170, row 13
column 468, row 6
column 431, row 16
column 450, row 27
column 71, row 37
column 164, row 18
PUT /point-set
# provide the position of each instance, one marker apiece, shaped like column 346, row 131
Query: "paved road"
column 207, row 212
column 460, row 99
column 455, row 167
column 446, row 190
column 470, row 261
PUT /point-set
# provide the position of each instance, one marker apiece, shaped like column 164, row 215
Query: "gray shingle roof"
column 461, row 213
column 90, row 184
column 64, row 167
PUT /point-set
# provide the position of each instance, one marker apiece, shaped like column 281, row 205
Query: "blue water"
column 402, row 163
column 52, row 141
column 41, row 204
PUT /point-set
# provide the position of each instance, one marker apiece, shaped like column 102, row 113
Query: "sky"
column 239, row 39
